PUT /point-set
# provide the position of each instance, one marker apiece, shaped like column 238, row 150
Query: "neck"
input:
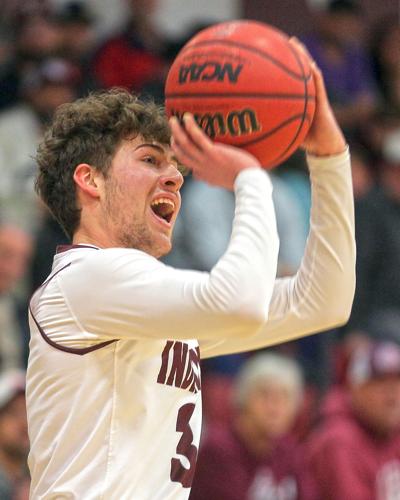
column 95, row 238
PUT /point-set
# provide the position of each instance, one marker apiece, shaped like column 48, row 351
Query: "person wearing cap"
column 14, row 443
column 254, row 457
column 355, row 452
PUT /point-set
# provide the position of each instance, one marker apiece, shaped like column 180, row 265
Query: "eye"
column 150, row 159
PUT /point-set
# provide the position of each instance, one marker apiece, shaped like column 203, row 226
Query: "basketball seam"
column 271, row 132
column 181, row 95
column 251, row 49
column 299, row 62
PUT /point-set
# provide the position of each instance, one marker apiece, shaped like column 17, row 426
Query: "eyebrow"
column 150, row 145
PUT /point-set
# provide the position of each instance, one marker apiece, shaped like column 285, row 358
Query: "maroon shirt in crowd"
column 226, row 470
column 347, row 461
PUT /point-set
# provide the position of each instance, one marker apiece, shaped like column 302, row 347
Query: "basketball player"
column 114, row 389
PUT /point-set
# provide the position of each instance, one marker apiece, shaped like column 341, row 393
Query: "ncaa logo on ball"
column 209, row 71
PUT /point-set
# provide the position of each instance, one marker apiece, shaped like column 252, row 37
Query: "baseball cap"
column 373, row 361
column 12, row 383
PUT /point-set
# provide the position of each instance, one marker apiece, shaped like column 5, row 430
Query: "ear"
column 88, row 179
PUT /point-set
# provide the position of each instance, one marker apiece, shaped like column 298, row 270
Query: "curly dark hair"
column 89, row 130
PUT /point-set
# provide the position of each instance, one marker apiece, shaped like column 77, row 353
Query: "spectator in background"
column 77, row 24
column 336, row 45
column 378, row 240
column 134, row 57
column 252, row 457
column 15, row 251
column 8, row 80
column 363, row 171
column 355, row 452
column 374, row 131
column 14, row 443
column 33, row 35
column 47, row 238
column 44, row 87
column 385, row 50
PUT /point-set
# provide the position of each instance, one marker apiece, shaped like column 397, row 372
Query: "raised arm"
column 320, row 295
column 137, row 296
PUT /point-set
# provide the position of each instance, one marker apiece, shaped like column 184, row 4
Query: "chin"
column 161, row 248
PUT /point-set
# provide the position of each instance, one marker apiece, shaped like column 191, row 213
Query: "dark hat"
column 378, row 359
column 74, row 12
column 345, row 6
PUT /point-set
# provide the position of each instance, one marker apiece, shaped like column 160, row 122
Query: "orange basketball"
column 246, row 85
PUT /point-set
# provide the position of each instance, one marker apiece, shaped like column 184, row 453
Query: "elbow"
column 246, row 321
column 340, row 317
column 255, row 319
column 340, row 306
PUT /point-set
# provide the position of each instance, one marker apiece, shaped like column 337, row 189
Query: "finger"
column 182, row 155
column 196, row 133
column 320, row 89
column 301, row 47
column 183, row 140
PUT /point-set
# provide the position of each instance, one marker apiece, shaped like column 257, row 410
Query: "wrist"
column 335, row 148
column 316, row 163
column 332, row 151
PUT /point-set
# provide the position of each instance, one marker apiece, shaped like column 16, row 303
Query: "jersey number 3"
column 179, row 473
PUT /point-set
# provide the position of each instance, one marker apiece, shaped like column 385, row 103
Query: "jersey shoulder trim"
column 70, row 350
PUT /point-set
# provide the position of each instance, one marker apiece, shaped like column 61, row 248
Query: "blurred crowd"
column 314, row 419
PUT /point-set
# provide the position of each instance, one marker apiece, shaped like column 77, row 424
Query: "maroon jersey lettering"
column 180, row 366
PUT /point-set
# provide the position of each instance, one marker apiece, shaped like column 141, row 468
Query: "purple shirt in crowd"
column 347, row 79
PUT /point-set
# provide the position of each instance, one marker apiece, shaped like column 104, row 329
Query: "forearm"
column 320, row 295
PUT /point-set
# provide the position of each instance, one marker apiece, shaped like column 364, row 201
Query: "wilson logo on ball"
column 234, row 123
column 209, row 71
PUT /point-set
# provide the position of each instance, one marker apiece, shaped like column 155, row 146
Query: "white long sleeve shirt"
column 113, row 382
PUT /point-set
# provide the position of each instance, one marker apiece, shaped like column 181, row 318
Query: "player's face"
column 142, row 197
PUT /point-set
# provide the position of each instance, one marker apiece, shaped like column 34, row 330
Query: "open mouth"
column 163, row 208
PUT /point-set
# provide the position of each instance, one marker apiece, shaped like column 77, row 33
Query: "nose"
column 171, row 178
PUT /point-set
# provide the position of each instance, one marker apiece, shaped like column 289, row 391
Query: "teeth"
column 163, row 200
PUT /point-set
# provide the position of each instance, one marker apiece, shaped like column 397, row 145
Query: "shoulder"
column 336, row 433
column 113, row 260
column 338, row 424
column 106, row 265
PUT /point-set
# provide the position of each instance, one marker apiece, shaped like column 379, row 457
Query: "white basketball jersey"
column 117, row 420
